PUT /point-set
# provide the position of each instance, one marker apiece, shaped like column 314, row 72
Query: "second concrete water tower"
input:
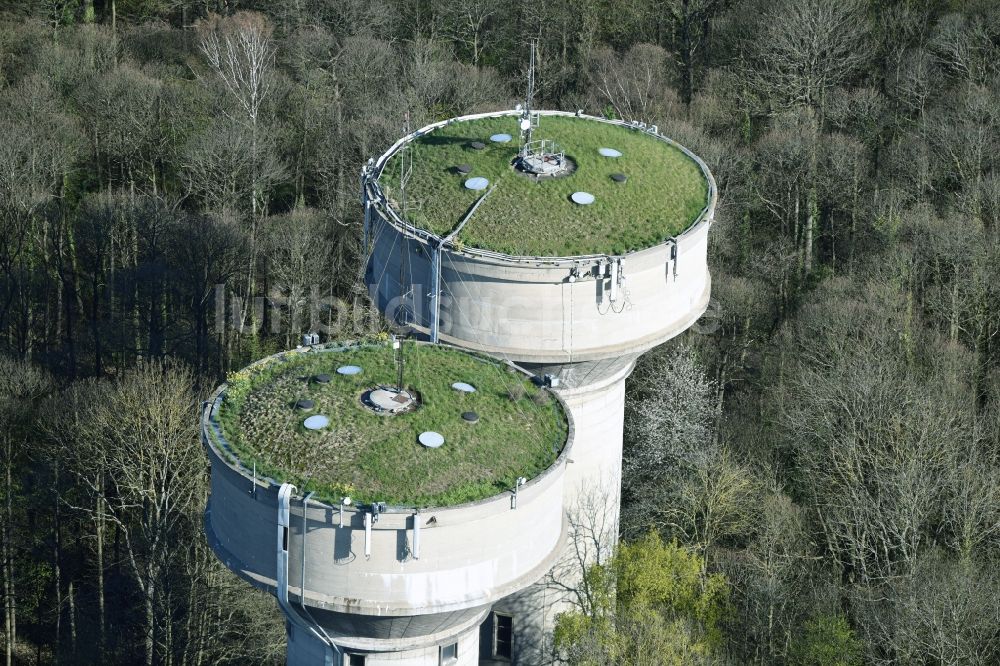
column 565, row 243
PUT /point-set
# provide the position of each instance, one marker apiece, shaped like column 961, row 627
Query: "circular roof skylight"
column 431, row 439
column 317, row 422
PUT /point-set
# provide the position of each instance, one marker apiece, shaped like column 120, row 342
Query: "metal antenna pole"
column 400, row 363
column 526, row 116
column 531, row 77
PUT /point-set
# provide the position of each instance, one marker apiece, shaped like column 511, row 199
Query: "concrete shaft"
column 592, row 499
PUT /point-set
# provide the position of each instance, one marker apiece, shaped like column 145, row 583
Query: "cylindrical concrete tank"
column 396, row 585
column 534, row 309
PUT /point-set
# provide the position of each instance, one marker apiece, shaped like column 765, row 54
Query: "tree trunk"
column 95, row 325
column 72, row 619
column 99, row 536
column 810, row 226
column 57, row 557
column 812, row 198
column 953, row 319
column 686, row 55
column 149, row 616
column 10, row 613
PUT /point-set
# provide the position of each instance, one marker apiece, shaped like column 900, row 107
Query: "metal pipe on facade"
column 368, row 535
column 416, row 535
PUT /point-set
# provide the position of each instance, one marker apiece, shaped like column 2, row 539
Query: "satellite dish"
column 525, row 124
column 346, row 501
column 582, row 198
column 609, row 152
column 348, row 370
column 500, row 138
column 476, row 184
column 463, row 387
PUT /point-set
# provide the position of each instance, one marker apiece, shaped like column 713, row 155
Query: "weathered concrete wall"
column 469, row 555
column 540, row 313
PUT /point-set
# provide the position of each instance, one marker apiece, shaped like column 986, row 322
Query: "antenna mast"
column 397, row 343
column 527, row 121
column 539, row 158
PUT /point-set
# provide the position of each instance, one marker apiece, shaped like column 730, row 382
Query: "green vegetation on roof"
column 372, row 457
column 665, row 191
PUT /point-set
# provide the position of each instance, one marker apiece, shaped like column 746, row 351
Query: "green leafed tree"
column 651, row 604
column 827, row 640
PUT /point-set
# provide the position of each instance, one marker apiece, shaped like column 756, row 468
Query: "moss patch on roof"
column 372, row 457
column 665, row 191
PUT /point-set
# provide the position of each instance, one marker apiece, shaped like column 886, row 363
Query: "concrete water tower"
column 417, row 520
column 388, row 517
column 564, row 243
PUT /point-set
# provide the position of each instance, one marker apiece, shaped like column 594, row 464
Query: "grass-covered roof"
column 664, row 193
column 374, row 457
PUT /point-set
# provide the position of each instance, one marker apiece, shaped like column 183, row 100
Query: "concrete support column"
column 594, row 475
column 592, row 493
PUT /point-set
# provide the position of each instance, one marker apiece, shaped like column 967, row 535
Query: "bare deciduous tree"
column 145, row 435
column 803, row 50
column 469, row 24
column 22, row 387
column 239, row 49
column 635, row 84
